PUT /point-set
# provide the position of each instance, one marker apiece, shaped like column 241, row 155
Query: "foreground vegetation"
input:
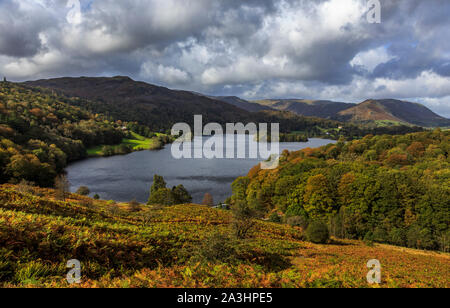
column 182, row 246
column 386, row 189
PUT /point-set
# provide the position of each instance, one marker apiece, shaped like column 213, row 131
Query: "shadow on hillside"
column 337, row 242
column 273, row 262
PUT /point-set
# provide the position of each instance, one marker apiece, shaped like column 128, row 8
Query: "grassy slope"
column 153, row 248
column 138, row 143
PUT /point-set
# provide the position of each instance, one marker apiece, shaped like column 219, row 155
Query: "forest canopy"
column 388, row 189
column 41, row 132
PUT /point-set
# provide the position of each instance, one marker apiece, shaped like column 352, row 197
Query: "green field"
column 138, row 143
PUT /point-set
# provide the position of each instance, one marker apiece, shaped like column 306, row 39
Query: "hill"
column 182, row 246
column 393, row 110
column 122, row 98
column 313, row 108
column 157, row 107
column 41, row 132
column 388, row 189
column 243, row 104
column 381, row 112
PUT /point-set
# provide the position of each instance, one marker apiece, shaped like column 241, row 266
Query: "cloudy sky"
column 322, row 49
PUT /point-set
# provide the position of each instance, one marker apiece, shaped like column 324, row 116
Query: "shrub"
column 317, row 232
column 217, row 248
column 83, row 191
column 25, row 187
column 275, row 218
column 86, row 202
column 298, row 221
column 113, row 209
column 134, row 206
column 96, row 197
column 62, row 187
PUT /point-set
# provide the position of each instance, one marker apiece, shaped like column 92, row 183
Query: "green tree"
column 317, row 232
column 83, row 191
column 181, row 195
column 158, row 183
column 243, row 219
column 318, row 197
column 162, row 196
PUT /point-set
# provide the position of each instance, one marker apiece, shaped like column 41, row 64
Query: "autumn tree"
column 208, row 200
column 318, row 198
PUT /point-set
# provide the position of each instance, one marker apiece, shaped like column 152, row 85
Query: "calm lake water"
column 123, row 178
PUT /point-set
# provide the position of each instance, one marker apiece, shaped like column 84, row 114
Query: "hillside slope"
column 154, row 106
column 393, row 110
column 159, row 108
column 389, row 189
column 174, row 247
column 41, row 132
column 243, row 104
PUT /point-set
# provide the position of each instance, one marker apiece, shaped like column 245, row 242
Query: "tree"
column 158, row 183
column 163, row 196
column 298, row 221
column 208, row 200
column 318, row 198
column 317, row 232
column 83, row 191
column 181, row 195
column 239, row 187
column 62, row 187
column 243, row 218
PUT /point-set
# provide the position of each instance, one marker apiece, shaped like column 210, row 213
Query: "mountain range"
column 384, row 111
column 158, row 107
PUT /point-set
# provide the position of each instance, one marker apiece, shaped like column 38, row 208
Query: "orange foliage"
column 416, row 149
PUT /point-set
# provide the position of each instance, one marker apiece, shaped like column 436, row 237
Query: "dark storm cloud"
column 253, row 48
column 20, row 26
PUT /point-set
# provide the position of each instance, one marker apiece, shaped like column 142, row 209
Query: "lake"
column 128, row 177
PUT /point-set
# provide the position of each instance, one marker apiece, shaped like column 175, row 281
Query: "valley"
column 370, row 181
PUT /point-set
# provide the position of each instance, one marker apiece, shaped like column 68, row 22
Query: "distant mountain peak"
column 393, row 110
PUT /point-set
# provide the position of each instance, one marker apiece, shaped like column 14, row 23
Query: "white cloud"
column 166, row 74
column 370, row 59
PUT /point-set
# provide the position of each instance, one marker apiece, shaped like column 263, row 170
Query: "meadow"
column 136, row 143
